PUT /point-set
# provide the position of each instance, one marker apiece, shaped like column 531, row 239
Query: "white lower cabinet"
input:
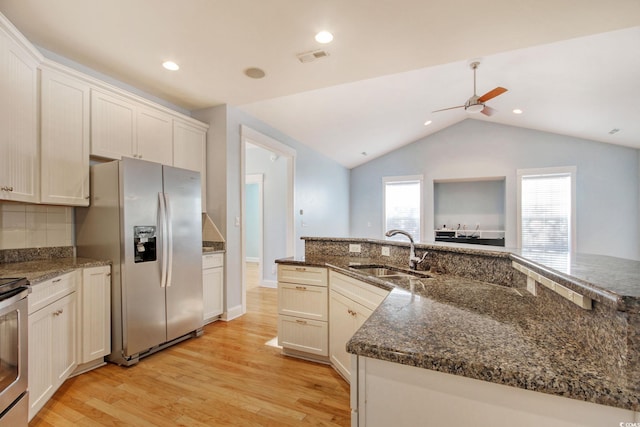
column 52, row 337
column 351, row 302
column 94, row 315
column 69, row 326
column 303, row 311
column 387, row 393
column 212, row 286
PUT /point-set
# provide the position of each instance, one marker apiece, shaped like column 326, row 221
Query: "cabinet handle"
column 351, row 312
column 302, row 322
column 55, row 280
column 7, row 188
column 301, row 288
column 301, row 269
column 58, row 312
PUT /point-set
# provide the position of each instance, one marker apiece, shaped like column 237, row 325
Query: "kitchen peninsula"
column 498, row 316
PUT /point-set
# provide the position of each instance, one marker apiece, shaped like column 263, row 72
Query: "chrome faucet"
column 413, row 259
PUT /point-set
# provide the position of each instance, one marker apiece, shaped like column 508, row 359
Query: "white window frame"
column 567, row 170
column 404, row 178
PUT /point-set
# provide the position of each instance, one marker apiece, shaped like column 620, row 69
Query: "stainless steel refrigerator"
column 145, row 217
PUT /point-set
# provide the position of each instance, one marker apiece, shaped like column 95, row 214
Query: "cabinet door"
column 40, row 359
column 341, row 328
column 94, row 314
column 19, row 165
column 212, row 292
column 154, row 136
column 63, row 330
column 113, row 123
column 65, row 140
column 189, row 151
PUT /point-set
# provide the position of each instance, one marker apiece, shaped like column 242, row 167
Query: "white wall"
column 321, row 188
column 607, row 179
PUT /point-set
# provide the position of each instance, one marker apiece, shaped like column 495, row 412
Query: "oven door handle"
column 12, row 300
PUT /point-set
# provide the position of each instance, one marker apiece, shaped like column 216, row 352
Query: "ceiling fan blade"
column 492, row 94
column 450, row 108
column 488, row 111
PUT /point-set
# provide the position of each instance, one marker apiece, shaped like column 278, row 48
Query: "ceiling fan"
column 475, row 104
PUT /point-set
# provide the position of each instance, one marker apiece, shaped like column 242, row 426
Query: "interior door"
column 184, row 283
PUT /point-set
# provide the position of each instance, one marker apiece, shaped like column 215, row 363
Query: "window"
column 403, row 205
column 546, row 210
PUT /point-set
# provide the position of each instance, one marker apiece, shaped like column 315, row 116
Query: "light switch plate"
column 354, row 248
column 386, row 251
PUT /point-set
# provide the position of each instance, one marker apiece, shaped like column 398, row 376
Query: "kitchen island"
column 476, row 320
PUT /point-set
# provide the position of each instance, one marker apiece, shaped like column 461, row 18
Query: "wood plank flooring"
column 227, row 377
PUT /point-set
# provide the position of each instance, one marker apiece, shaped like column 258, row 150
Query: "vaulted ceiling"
column 572, row 67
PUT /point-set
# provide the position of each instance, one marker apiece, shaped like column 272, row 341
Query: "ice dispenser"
column 144, row 243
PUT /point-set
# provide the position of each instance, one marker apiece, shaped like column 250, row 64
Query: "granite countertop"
column 484, row 331
column 211, row 250
column 40, row 270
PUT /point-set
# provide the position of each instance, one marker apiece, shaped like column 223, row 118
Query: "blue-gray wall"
column 607, row 184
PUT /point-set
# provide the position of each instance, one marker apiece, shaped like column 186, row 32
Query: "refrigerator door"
column 184, row 240
column 143, row 296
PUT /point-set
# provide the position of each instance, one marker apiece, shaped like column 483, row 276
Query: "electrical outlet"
column 386, row 251
column 354, row 248
column 531, row 286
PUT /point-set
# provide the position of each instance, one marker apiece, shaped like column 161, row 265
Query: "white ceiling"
column 572, row 66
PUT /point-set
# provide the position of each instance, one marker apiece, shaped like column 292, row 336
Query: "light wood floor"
column 227, row 377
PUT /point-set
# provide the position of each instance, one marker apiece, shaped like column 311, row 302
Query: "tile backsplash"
column 35, row 226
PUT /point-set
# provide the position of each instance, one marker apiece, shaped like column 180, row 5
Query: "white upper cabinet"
column 18, row 121
column 154, row 136
column 113, row 126
column 189, row 151
column 64, row 139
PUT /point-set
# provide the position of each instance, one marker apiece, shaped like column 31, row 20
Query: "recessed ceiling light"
column 170, row 65
column 517, row 111
column 614, row 131
column 324, row 37
column 254, row 73
column 428, row 122
column 364, row 153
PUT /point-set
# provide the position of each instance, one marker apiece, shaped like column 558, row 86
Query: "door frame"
column 251, row 136
column 258, row 180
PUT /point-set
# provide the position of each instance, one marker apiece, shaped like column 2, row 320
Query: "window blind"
column 546, row 213
column 402, row 207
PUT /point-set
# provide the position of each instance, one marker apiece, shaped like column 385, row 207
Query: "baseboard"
column 252, row 259
column 232, row 313
column 269, row 284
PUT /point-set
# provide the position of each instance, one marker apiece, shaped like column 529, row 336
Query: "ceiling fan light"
column 475, row 108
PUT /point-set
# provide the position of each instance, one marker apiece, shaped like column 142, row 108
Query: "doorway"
column 275, row 163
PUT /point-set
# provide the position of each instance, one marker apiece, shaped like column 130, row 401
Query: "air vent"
column 312, row 56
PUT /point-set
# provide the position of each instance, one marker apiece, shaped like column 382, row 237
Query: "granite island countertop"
column 37, row 271
column 484, row 331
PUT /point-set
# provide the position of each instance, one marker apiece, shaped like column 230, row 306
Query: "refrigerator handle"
column 168, row 220
column 163, row 227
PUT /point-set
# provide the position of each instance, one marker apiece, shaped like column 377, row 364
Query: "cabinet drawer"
column 303, row 275
column 309, row 336
column 212, row 260
column 369, row 296
column 309, row 302
column 43, row 294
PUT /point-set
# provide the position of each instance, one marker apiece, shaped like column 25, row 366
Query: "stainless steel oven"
column 14, row 398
